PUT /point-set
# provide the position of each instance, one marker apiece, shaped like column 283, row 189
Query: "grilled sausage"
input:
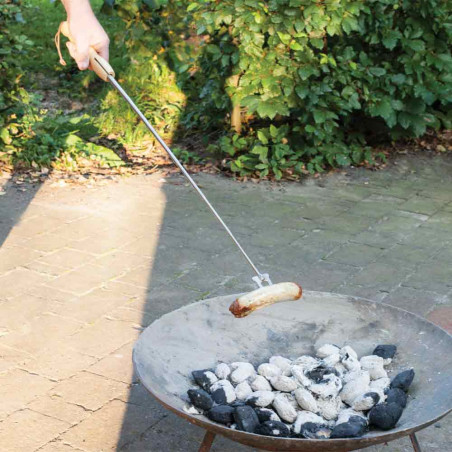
column 265, row 296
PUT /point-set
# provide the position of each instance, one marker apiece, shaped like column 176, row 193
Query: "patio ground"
column 83, row 269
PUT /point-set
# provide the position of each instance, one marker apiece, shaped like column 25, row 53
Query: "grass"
column 64, row 94
column 141, row 67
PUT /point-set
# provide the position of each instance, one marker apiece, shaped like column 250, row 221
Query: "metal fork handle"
column 261, row 278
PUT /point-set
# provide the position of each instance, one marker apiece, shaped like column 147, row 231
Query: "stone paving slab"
column 83, row 269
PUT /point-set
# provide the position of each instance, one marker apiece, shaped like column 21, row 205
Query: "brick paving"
column 83, row 269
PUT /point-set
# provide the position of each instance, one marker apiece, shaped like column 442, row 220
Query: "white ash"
column 332, row 360
column 379, row 386
column 243, row 390
column 347, row 351
column 308, row 363
column 261, row 398
column 306, row 416
column 306, row 400
column 351, row 363
column 327, row 350
column 355, row 374
column 260, row 383
column 291, row 399
column 340, row 368
column 374, row 365
column 283, row 383
column 283, row 363
column 222, row 371
column 366, row 401
column 298, row 373
column 355, row 388
column 268, row 370
column 328, row 387
column 284, row 407
column 242, row 372
column 329, row 408
column 190, row 409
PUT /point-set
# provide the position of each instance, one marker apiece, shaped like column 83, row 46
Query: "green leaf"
column 261, row 151
column 277, row 172
column 317, row 43
column 306, row 71
column 294, row 45
column 261, row 136
column 302, row 91
column 349, row 24
column 415, row 44
column 377, row 71
column 5, row 136
column 390, row 39
column 266, row 110
column 382, row 108
column 320, row 116
column 273, row 131
column 398, row 79
column 342, row 160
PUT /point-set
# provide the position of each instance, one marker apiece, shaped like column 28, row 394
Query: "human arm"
column 86, row 32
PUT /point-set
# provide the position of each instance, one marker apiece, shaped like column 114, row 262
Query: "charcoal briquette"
column 219, row 396
column 354, row 427
column 398, row 396
column 385, row 415
column 223, row 414
column 204, row 378
column 223, row 392
column 273, row 428
column 237, row 403
column 266, row 414
column 385, row 351
column 246, row 419
column 403, row 380
column 200, row 399
column 311, row 430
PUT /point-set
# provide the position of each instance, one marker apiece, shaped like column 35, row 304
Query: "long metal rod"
column 118, row 87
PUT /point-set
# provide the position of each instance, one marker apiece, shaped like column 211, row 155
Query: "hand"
column 86, row 32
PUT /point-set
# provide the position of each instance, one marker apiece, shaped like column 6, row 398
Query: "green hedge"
column 308, row 84
column 316, row 78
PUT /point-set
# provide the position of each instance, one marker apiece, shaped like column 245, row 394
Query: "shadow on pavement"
column 12, row 206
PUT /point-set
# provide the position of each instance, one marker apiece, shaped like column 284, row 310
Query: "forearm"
column 75, row 7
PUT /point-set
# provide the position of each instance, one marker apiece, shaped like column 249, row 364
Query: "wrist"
column 76, row 8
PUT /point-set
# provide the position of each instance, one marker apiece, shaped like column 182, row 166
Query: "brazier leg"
column 207, row 441
column 415, row 443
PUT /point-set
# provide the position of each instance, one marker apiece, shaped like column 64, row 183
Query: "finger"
column 82, row 55
column 72, row 49
column 102, row 49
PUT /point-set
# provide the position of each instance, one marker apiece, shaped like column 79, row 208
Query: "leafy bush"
column 316, row 81
column 327, row 74
column 29, row 135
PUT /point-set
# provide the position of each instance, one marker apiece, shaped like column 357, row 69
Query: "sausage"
column 265, row 296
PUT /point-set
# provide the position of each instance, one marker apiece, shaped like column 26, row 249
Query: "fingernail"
column 83, row 66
